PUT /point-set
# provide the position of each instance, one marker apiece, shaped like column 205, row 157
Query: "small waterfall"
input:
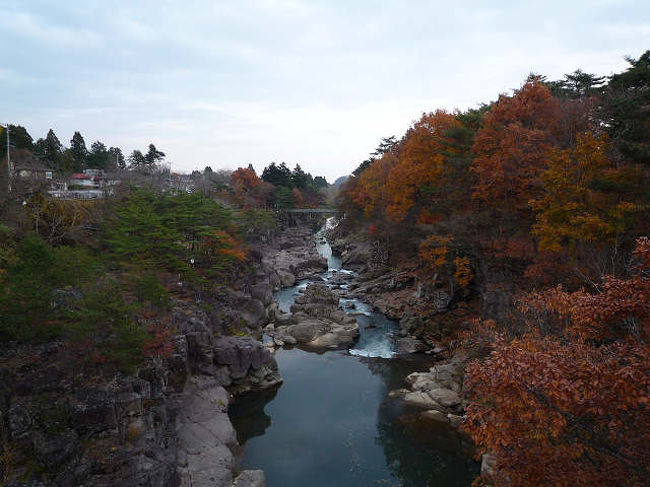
column 334, row 262
column 377, row 332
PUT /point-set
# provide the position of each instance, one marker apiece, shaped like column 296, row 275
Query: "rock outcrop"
column 316, row 321
column 206, row 439
column 438, row 392
column 166, row 425
column 295, row 259
column 244, row 364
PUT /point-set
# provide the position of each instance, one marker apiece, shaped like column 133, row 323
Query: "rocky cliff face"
column 165, row 426
column 295, row 258
column 430, row 311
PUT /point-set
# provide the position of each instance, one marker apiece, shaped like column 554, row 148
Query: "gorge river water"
column 332, row 422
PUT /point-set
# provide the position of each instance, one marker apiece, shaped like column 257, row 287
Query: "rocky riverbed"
column 323, row 316
column 316, row 321
column 169, row 424
column 325, row 312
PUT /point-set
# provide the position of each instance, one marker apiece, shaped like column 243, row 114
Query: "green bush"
column 147, row 289
column 26, row 297
column 104, row 324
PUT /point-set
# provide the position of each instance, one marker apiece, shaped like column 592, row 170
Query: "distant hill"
column 340, row 181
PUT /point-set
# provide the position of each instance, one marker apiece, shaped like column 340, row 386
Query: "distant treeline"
column 77, row 157
column 278, row 187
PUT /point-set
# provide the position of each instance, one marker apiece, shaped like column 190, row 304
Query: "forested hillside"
column 541, row 197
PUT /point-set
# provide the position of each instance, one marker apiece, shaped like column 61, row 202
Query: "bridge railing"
column 312, row 210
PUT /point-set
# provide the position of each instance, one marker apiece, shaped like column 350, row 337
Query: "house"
column 29, row 174
column 83, row 181
column 89, row 185
column 34, row 171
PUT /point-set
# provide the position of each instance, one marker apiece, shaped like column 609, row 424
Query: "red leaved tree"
column 570, row 407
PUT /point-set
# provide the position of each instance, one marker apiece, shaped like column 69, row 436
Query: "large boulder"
column 421, row 400
column 249, row 364
column 280, row 317
column 306, row 331
column 318, row 292
column 339, row 336
column 436, row 416
column 317, row 321
column 286, row 278
column 438, row 389
column 446, row 397
column 358, row 254
column 319, row 333
column 296, row 259
column 252, row 311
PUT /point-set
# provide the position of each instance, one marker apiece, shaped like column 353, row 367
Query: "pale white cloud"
column 312, row 82
column 37, row 30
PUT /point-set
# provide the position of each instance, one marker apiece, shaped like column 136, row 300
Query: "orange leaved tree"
column 246, row 184
column 577, row 213
column 413, row 180
column 512, row 146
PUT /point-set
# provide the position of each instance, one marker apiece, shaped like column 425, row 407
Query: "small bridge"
column 312, row 215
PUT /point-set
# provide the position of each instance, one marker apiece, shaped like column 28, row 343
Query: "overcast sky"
column 318, row 83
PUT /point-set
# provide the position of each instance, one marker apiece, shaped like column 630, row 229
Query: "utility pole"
column 8, row 164
column 8, row 161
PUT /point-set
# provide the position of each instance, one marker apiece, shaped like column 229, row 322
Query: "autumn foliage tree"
column 369, row 191
column 512, row 146
column 434, row 251
column 579, row 218
column 572, row 407
column 557, row 414
column 278, row 188
column 544, row 191
column 414, row 183
column 568, row 212
column 245, row 183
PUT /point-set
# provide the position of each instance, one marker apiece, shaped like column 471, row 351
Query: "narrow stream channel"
column 332, row 422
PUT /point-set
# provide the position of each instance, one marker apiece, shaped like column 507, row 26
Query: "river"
column 332, row 422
